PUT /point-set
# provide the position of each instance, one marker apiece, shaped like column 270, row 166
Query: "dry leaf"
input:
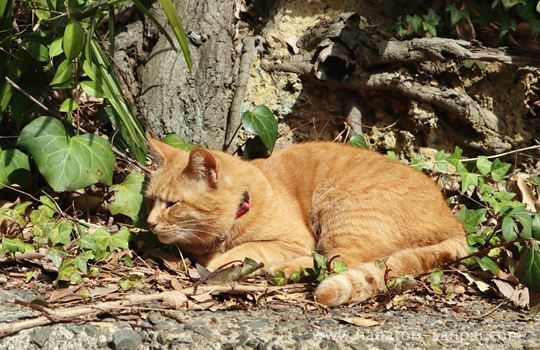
column 202, row 298
column 176, row 284
column 359, row 321
column 175, row 300
column 101, row 291
column 505, row 288
column 527, row 195
column 480, row 284
column 521, row 298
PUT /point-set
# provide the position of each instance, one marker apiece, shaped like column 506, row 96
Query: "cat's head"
column 193, row 199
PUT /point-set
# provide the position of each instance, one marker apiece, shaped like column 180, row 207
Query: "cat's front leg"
column 270, row 253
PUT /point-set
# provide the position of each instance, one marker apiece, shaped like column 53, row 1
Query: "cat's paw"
column 340, row 289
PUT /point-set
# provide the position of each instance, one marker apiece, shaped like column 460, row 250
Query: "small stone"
column 126, row 339
column 258, row 324
column 40, row 335
column 91, row 330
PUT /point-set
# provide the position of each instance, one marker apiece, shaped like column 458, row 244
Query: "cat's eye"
column 169, row 204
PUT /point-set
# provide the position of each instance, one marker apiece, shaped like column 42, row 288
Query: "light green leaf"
column 61, row 232
column 102, row 239
column 129, row 198
column 73, row 41
column 487, row 264
column 63, row 76
column 176, row 24
column 468, row 180
column 14, row 167
column 472, row 218
column 55, row 49
column 92, row 88
column 456, row 14
column 415, row 22
column 524, row 218
column 56, row 255
column 279, row 279
column 536, row 226
column 338, row 266
column 509, row 229
column 483, row 164
column 507, row 4
column 528, row 270
column 120, row 240
column 358, row 141
column 15, row 245
column 67, row 163
column 261, row 122
column 69, row 105
column 69, row 271
column 177, row 142
column 499, row 170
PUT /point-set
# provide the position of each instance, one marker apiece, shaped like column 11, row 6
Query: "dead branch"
column 134, row 301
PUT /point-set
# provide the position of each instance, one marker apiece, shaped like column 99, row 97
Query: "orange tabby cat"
column 320, row 196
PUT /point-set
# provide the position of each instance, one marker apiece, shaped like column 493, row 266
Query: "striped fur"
column 320, row 196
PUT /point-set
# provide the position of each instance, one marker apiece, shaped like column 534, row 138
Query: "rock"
column 126, row 339
column 40, row 335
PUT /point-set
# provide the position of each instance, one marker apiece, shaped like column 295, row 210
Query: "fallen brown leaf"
column 359, row 321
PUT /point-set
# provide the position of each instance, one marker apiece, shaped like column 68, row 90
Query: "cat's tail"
column 362, row 282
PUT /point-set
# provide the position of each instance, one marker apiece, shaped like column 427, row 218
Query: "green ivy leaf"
column 509, row 229
column 487, row 264
column 415, row 22
column 456, row 14
column 483, row 164
column 129, row 198
column 56, row 255
column 472, row 218
column 319, row 260
column 507, row 4
column 61, row 232
column 14, row 167
column 338, row 266
column 177, row 142
column 499, row 170
column 67, row 163
column 15, row 245
column 120, row 240
column 536, row 227
column 73, row 41
column 528, row 269
column 468, row 180
column 524, row 218
column 279, row 279
column 358, row 141
column 69, row 271
column 261, row 122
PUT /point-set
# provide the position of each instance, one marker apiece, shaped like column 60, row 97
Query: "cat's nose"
column 152, row 225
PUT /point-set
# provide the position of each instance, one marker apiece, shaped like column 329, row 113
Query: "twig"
column 504, row 153
column 32, row 98
column 131, row 301
column 484, row 315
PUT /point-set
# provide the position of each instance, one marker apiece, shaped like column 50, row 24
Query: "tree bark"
column 193, row 105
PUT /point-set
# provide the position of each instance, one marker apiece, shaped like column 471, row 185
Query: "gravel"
column 284, row 327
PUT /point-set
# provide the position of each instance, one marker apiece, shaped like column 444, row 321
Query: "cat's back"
column 313, row 162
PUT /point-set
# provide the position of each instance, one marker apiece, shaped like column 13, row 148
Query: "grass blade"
column 178, row 29
column 154, row 20
column 132, row 129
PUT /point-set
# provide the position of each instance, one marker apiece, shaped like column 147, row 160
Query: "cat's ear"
column 160, row 151
column 204, row 166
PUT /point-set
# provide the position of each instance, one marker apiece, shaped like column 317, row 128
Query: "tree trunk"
column 193, row 105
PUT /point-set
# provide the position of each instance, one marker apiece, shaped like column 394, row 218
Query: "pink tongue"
column 244, row 208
